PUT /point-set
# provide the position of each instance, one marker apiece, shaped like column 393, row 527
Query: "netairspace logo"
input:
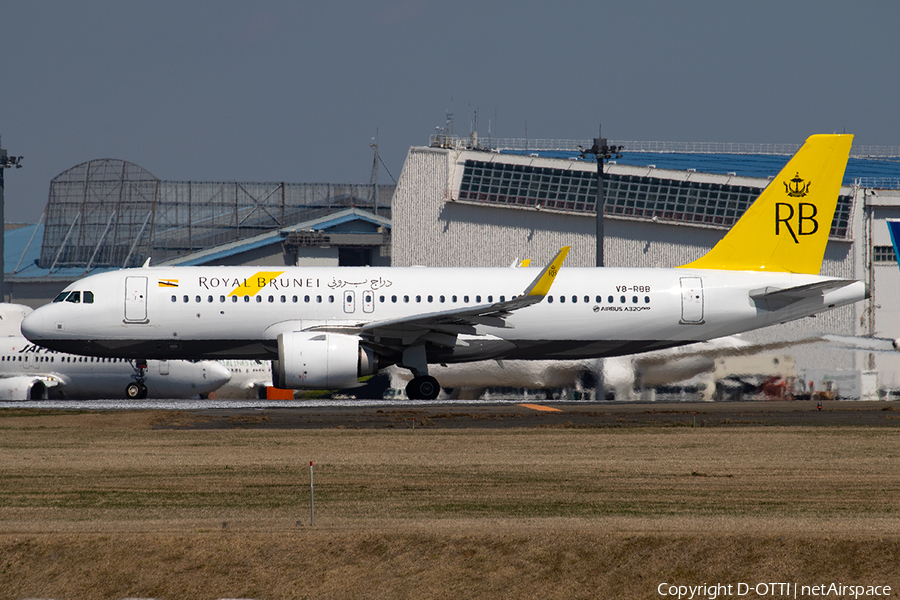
column 772, row 589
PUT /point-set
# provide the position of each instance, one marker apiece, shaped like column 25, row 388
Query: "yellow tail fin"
column 787, row 226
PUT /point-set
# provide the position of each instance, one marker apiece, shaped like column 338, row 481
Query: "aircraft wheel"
column 136, row 391
column 423, row 388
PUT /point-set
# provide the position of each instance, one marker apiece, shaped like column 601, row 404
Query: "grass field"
column 107, row 505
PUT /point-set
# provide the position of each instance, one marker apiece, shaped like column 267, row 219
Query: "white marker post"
column 312, row 502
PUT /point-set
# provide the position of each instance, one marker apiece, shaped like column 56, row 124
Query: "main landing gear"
column 423, row 388
column 137, row 389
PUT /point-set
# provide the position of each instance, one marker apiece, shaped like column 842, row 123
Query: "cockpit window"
column 61, row 297
column 74, row 297
column 88, row 297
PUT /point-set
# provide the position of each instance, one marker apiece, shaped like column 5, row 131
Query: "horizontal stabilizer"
column 772, row 298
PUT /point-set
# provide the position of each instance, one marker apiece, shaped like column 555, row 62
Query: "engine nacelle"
column 25, row 387
column 321, row 361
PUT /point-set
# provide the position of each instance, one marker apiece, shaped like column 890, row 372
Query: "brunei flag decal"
column 168, row 283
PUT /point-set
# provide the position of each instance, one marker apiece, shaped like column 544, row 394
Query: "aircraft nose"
column 217, row 373
column 33, row 326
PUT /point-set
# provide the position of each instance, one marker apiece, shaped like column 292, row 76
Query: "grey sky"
column 295, row 91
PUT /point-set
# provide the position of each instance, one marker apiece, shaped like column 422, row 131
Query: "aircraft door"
column 691, row 300
column 136, row 299
column 368, row 301
column 349, row 301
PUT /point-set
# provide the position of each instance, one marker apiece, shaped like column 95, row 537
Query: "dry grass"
column 104, row 506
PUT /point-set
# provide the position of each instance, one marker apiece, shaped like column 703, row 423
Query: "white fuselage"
column 238, row 312
column 70, row 376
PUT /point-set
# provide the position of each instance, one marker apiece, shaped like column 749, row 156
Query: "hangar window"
column 884, row 254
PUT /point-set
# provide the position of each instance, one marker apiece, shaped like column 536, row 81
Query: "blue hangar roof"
column 745, row 165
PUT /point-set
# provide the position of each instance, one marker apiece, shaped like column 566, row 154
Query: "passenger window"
column 406, row 298
column 259, row 299
column 599, row 299
column 646, row 299
column 393, row 298
column 442, row 299
column 331, row 299
column 418, row 298
column 246, row 298
column 294, row 299
column 197, row 299
column 431, row 298
column 502, row 298
column 319, row 299
column 381, row 299
column 74, row 298
column 233, row 299
column 454, row 298
column 306, row 298
column 271, row 299
column 634, row 299
column 490, row 298
column 622, row 299
column 221, row 299
column 466, row 299
column 88, row 297
column 478, row 299
column 610, row 299
column 209, row 299
column 550, row 299
column 174, row 298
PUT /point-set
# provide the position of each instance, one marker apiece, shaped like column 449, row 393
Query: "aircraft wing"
column 442, row 327
column 860, row 342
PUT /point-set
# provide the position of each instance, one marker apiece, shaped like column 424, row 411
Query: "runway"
column 478, row 414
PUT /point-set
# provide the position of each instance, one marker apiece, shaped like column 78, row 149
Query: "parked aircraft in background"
column 327, row 326
column 30, row 372
column 622, row 377
column 250, row 379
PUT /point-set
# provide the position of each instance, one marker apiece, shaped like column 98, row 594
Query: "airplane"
column 30, row 372
column 623, row 377
column 250, row 379
column 324, row 327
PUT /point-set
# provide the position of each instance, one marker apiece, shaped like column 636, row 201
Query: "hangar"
column 461, row 201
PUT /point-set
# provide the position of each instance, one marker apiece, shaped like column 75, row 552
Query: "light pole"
column 6, row 162
column 603, row 152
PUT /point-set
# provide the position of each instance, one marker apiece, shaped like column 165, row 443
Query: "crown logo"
column 796, row 188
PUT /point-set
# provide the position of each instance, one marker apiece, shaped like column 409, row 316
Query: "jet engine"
column 25, row 387
column 321, row 361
